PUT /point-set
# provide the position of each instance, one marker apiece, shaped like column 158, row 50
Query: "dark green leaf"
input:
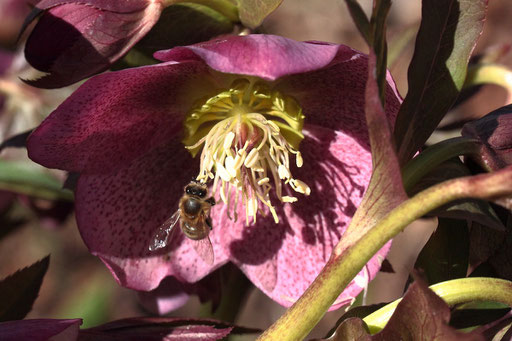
column 360, row 19
column 448, row 33
column 445, row 256
column 184, row 24
column 378, row 41
column 253, row 12
column 19, row 290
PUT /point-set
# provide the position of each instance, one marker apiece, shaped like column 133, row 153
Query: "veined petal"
column 119, row 213
column 266, row 56
column 117, row 116
column 338, row 171
column 333, row 97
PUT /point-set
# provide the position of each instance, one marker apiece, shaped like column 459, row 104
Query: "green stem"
column 489, row 74
column 434, row 155
column 299, row 319
column 224, row 7
column 462, row 290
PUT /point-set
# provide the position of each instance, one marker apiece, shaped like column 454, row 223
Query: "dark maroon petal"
column 125, row 6
column 337, row 168
column 40, row 330
column 75, row 39
column 159, row 329
column 115, row 117
column 494, row 132
column 333, row 97
column 265, row 56
column 119, row 213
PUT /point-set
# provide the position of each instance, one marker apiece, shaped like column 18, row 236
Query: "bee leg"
column 211, row 201
column 209, row 222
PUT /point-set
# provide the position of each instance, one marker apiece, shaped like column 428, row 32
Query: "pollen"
column 247, row 135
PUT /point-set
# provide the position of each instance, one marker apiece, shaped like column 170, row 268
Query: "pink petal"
column 116, row 117
column 265, row 56
column 118, row 214
column 76, row 39
column 333, row 97
column 40, row 330
column 170, row 295
column 337, row 168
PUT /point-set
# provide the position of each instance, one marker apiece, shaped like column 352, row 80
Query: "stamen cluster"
column 247, row 134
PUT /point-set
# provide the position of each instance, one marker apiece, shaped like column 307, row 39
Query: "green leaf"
column 445, row 256
column 19, row 290
column 455, row 292
column 184, row 24
column 253, row 12
column 448, row 33
column 421, row 315
column 29, row 179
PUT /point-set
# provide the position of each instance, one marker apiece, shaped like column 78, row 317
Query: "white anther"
column 223, row 173
column 228, row 140
column 287, row 198
column 251, row 159
column 283, row 172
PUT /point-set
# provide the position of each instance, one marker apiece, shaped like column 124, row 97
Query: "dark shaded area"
column 19, row 290
column 16, row 141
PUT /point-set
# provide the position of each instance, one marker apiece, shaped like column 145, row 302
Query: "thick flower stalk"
column 275, row 127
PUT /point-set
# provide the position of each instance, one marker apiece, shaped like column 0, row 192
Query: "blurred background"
column 79, row 285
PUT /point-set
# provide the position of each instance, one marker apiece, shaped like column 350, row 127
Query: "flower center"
column 247, row 134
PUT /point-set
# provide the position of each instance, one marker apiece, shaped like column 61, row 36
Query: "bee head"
column 196, row 189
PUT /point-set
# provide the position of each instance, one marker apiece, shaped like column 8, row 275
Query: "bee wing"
column 161, row 238
column 204, row 249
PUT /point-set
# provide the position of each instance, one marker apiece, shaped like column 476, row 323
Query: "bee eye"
column 188, row 191
column 201, row 193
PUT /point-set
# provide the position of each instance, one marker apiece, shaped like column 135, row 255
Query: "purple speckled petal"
column 76, row 39
column 266, row 56
column 115, row 117
column 40, row 330
column 337, row 168
column 333, row 97
column 118, row 214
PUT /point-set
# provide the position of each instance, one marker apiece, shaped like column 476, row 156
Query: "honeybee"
column 194, row 216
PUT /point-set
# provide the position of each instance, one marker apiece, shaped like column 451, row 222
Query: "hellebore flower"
column 75, row 39
column 278, row 124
